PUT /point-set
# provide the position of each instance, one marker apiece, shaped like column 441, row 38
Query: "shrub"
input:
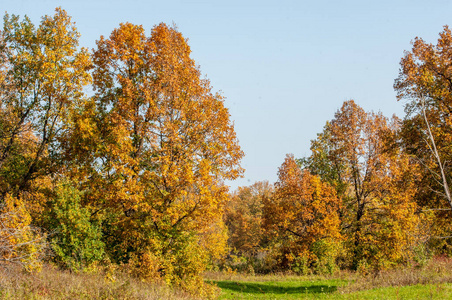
column 76, row 240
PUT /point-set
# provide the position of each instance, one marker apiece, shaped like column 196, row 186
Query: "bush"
column 76, row 240
column 181, row 264
column 421, row 255
column 326, row 252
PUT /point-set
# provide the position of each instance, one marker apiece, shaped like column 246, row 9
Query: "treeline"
column 373, row 194
column 111, row 156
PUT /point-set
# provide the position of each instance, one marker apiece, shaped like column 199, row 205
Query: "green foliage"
column 422, row 255
column 301, row 265
column 326, row 252
column 76, row 241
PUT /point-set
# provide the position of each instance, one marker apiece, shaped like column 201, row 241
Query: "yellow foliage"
column 19, row 242
column 358, row 154
column 152, row 149
column 301, row 212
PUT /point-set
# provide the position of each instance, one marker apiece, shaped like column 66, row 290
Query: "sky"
column 284, row 66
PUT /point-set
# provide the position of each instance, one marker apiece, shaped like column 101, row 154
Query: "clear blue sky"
column 284, row 66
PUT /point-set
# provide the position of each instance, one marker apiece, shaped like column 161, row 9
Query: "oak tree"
column 153, row 147
column 243, row 217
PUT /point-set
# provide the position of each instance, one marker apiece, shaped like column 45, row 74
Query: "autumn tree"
column 374, row 180
column 302, row 217
column 243, row 217
column 75, row 240
column 424, row 82
column 153, row 147
column 42, row 78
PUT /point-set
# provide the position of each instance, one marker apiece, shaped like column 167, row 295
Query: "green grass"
column 289, row 289
column 429, row 291
column 326, row 289
column 430, row 281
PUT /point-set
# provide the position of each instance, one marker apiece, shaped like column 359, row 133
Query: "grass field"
column 328, row 289
column 289, row 289
column 433, row 281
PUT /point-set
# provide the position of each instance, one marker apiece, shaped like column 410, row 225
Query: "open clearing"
column 326, row 289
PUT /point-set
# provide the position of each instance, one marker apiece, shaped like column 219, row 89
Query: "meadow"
column 432, row 281
column 328, row 290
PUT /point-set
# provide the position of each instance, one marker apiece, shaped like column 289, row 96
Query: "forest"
column 115, row 160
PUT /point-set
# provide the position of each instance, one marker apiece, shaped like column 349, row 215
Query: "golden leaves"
column 165, row 121
column 302, row 205
column 163, row 143
column 44, row 76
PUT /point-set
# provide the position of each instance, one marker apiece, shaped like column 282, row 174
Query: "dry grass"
column 52, row 283
column 437, row 271
column 288, row 276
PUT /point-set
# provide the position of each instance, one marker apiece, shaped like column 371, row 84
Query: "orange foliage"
column 154, row 144
column 375, row 180
column 302, row 210
column 243, row 217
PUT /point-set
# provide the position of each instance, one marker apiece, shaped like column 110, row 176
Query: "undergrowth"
column 52, row 283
